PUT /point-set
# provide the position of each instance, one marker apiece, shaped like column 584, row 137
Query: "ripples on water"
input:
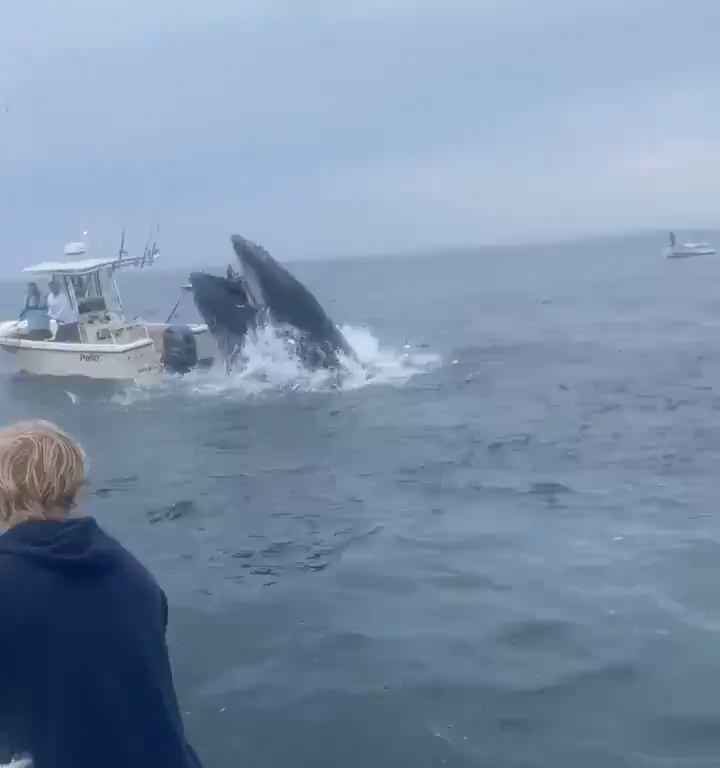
column 493, row 545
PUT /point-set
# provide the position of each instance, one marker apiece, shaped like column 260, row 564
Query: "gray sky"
column 346, row 128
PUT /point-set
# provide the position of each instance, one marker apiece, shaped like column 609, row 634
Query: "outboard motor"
column 179, row 349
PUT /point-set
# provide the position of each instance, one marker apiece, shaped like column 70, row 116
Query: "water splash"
column 269, row 365
column 384, row 365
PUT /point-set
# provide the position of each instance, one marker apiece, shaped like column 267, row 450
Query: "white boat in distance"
column 677, row 250
column 109, row 347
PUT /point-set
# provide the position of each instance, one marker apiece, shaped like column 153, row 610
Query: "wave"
column 271, row 366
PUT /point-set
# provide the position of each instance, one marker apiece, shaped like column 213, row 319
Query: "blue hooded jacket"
column 85, row 678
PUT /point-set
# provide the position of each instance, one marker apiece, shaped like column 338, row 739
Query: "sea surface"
column 497, row 544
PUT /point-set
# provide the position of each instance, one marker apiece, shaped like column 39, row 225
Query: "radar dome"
column 75, row 249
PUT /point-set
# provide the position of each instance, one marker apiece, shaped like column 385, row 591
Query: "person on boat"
column 86, row 679
column 80, row 286
column 35, row 314
column 34, row 299
column 62, row 312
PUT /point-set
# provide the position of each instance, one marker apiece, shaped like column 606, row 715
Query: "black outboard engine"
column 179, row 349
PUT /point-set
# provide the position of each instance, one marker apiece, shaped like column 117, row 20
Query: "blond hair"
column 41, row 472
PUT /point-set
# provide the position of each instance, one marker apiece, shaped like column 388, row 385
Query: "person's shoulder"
column 9, row 561
column 123, row 556
column 13, row 573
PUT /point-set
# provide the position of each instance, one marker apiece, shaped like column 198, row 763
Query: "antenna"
column 151, row 251
column 122, row 253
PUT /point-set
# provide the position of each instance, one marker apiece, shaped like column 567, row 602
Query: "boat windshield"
column 92, row 292
column 109, row 290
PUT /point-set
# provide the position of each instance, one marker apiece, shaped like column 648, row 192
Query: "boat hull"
column 138, row 361
column 129, row 362
column 688, row 250
column 690, row 254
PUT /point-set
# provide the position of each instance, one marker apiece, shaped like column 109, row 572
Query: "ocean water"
column 500, row 548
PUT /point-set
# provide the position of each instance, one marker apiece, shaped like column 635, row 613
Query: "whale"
column 265, row 293
column 225, row 307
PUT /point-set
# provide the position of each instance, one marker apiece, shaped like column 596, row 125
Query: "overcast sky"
column 330, row 127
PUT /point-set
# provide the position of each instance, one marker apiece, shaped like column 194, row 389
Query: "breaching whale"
column 266, row 293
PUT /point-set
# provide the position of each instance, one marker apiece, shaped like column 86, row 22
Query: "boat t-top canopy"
column 70, row 268
column 88, row 266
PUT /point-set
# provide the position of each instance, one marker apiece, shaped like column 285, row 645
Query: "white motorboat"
column 109, row 347
column 676, row 250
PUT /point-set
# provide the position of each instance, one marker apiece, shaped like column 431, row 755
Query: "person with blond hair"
column 86, row 679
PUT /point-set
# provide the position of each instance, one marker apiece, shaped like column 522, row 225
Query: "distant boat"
column 677, row 250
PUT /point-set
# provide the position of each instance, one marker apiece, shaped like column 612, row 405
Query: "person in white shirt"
column 62, row 312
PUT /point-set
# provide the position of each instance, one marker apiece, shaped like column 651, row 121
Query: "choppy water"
column 500, row 551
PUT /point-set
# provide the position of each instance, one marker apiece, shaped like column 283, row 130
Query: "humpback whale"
column 225, row 307
column 266, row 293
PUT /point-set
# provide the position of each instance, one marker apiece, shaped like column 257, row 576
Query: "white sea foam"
column 269, row 364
